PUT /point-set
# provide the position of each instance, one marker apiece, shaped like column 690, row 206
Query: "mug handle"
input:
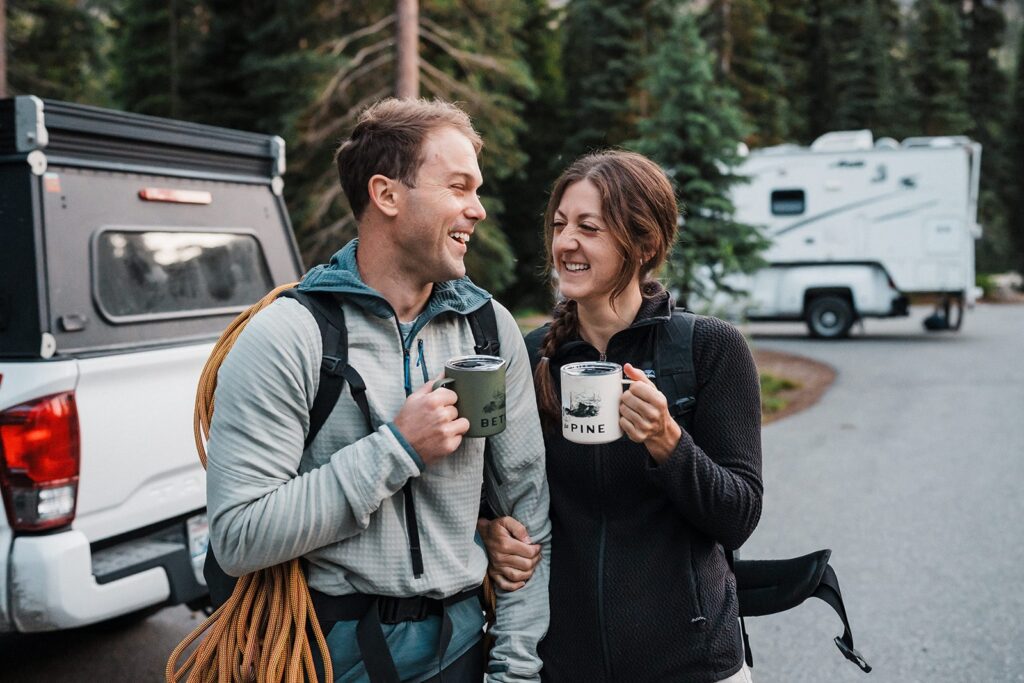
column 443, row 382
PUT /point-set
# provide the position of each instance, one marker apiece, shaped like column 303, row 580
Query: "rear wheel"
column 829, row 317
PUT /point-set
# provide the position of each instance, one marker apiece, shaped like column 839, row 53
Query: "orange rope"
column 259, row 634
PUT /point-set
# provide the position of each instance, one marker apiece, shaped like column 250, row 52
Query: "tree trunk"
column 407, row 78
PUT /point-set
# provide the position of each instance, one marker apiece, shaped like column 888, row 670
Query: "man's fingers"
column 516, row 528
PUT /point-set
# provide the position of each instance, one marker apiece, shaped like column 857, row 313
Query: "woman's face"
column 585, row 254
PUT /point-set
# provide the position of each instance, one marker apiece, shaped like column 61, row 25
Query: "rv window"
column 148, row 275
column 787, row 202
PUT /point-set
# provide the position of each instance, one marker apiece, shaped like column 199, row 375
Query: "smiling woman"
column 640, row 588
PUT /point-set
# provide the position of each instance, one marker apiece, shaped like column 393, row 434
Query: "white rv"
column 857, row 226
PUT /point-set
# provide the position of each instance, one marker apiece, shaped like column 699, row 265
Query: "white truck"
column 858, row 226
column 127, row 244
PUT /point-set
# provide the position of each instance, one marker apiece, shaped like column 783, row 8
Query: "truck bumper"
column 900, row 306
column 58, row 582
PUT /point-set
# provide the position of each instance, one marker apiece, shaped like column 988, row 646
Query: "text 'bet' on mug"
column 591, row 393
column 479, row 382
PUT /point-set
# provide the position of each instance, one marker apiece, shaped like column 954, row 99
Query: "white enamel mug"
column 591, row 392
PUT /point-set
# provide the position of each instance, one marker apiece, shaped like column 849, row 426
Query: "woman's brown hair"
column 638, row 204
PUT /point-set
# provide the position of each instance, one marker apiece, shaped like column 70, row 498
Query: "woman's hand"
column 644, row 416
column 512, row 554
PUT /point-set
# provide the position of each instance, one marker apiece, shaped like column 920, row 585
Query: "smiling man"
column 384, row 513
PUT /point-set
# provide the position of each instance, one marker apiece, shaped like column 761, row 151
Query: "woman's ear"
column 385, row 194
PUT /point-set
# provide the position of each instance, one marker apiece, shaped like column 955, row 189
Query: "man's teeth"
column 460, row 236
column 576, row 267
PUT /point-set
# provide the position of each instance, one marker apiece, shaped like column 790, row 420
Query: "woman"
column 640, row 587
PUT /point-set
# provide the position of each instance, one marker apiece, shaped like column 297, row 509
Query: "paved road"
column 911, row 469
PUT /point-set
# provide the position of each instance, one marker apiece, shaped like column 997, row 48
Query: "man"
column 343, row 504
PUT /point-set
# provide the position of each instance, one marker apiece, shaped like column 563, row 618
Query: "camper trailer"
column 858, row 226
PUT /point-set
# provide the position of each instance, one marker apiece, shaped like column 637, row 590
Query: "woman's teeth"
column 462, row 237
column 576, row 267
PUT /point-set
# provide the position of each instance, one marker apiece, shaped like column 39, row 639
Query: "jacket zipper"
column 699, row 621
column 600, row 567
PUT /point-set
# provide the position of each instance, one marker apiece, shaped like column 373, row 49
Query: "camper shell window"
column 162, row 274
column 788, row 202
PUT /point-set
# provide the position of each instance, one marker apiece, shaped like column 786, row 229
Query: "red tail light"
column 39, row 457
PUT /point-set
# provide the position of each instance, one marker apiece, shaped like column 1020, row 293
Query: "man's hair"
column 388, row 140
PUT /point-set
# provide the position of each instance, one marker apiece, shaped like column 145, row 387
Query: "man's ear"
column 384, row 194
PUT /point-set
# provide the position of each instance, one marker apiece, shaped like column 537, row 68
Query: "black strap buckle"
column 682, row 406
column 852, row 654
column 333, row 365
column 398, row 610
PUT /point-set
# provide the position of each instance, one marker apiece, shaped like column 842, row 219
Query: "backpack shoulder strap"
column 673, row 366
column 485, row 330
column 327, row 310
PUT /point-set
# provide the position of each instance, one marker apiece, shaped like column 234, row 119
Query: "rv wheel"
column 829, row 317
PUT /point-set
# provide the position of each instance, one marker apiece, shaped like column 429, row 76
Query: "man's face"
column 436, row 218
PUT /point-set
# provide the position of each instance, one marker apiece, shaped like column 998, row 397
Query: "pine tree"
column 154, row 40
column 747, row 59
column 1014, row 196
column 55, row 49
column 937, row 71
column 790, row 24
column 988, row 100
column 524, row 195
column 605, row 43
column 853, row 77
column 693, row 131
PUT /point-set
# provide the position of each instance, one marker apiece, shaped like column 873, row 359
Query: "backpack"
column 762, row 586
column 266, row 621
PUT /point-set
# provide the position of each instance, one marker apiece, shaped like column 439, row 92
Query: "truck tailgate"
column 139, row 464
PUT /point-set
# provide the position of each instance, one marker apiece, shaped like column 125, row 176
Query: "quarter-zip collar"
column 341, row 275
column 656, row 308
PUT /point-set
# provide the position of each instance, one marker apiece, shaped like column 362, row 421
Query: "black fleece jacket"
column 640, row 588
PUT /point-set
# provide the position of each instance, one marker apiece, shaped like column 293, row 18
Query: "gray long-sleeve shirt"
column 334, row 503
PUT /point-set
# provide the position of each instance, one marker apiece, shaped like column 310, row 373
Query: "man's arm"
column 517, row 486
column 262, row 511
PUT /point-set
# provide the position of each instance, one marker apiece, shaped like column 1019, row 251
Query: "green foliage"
column 937, row 71
column 1014, row 194
column 603, row 63
column 545, row 126
column 57, row 49
column 737, row 31
column 790, row 24
column 771, row 387
column 988, row 101
column 693, row 131
column 154, row 41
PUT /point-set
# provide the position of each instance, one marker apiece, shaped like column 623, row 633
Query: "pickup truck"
column 127, row 244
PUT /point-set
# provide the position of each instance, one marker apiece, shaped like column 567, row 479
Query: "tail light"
column 39, row 458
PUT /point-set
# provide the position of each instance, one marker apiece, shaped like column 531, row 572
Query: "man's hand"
column 512, row 554
column 644, row 416
column 430, row 423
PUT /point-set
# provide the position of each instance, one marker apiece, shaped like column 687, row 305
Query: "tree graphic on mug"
column 583, row 404
column 497, row 402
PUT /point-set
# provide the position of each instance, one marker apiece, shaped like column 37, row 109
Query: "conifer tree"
column 737, row 31
column 155, row 39
column 693, row 131
column 938, row 72
column 988, row 100
column 603, row 66
column 790, row 24
column 1014, row 195
column 55, row 49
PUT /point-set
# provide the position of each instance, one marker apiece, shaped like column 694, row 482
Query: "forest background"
column 546, row 80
